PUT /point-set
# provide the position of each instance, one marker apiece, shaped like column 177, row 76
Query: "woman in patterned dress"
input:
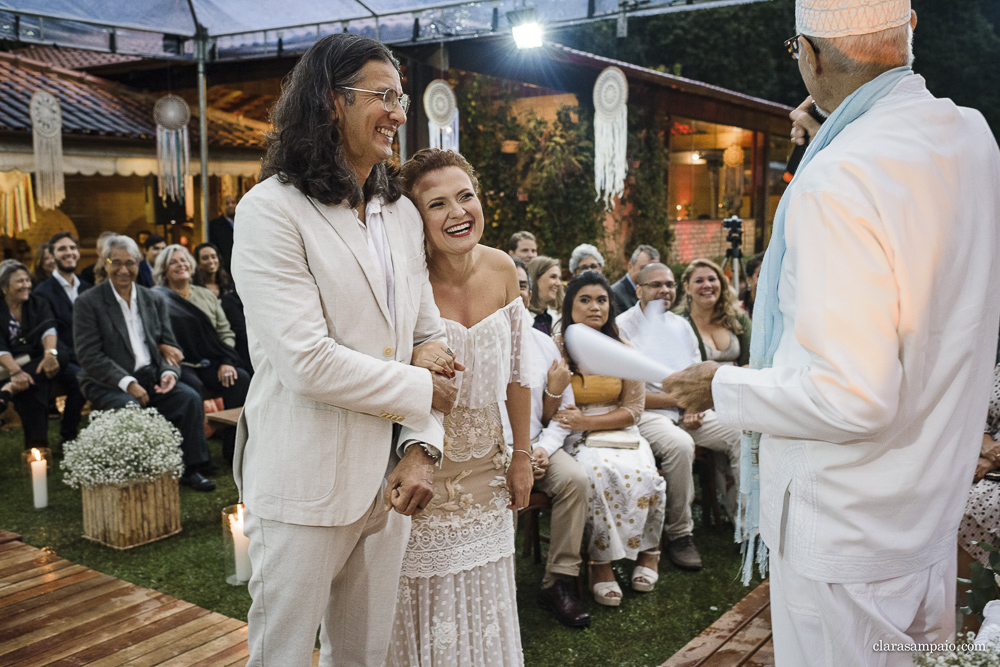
column 627, row 495
column 456, row 603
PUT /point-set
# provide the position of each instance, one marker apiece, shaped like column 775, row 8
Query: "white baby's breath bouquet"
column 966, row 652
column 131, row 444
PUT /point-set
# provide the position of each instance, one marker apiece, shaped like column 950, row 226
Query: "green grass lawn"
column 645, row 630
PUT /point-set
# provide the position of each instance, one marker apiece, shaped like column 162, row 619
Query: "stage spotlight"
column 525, row 27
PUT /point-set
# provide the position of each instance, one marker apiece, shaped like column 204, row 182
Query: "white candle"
column 241, row 544
column 39, row 481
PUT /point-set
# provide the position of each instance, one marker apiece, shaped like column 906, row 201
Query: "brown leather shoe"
column 558, row 599
column 684, row 554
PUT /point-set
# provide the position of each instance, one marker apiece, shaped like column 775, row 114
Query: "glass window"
column 710, row 170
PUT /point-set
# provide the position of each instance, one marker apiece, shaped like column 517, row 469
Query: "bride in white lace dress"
column 457, row 600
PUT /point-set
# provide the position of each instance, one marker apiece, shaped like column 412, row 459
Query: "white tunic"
column 873, row 409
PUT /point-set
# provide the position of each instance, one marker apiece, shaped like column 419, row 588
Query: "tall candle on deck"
column 241, row 544
column 39, row 480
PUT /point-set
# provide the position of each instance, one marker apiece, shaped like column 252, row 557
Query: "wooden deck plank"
column 54, row 613
column 53, row 596
column 764, row 657
column 744, row 644
column 198, row 655
column 187, row 644
column 83, row 637
column 168, row 638
column 748, row 615
column 64, row 609
column 37, row 608
column 7, row 536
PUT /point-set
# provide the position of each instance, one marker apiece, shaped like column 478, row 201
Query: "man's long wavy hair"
column 306, row 147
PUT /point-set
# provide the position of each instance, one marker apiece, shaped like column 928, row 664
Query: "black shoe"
column 197, row 481
column 683, row 553
column 209, row 467
column 559, row 599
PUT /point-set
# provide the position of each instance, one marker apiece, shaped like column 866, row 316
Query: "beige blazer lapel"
column 342, row 219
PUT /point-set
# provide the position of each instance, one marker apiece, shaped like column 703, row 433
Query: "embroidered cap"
column 840, row 18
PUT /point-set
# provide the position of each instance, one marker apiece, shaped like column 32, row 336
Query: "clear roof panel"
column 253, row 28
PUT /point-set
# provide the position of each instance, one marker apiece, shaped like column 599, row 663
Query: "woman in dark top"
column 723, row 331
column 210, row 275
column 45, row 264
column 27, row 350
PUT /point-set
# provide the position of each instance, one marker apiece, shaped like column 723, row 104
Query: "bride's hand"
column 520, row 479
column 436, row 357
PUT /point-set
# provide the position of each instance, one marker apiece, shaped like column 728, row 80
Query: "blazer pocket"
column 297, row 451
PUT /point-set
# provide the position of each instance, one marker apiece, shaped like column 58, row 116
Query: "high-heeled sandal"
column 641, row 573
column 603, row 593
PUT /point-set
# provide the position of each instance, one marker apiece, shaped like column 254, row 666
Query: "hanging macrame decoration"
column 46, row 130
column 442, row 115
column 610, row 135
column 173, row 151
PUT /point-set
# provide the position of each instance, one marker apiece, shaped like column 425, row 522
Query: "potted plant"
column 127, row 463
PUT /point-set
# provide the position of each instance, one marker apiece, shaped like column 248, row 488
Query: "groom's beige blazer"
column 331, row 372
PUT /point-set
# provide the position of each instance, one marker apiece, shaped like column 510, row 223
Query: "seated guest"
column 981, row 522
column 557, row 475
column 523, row 246
column 546, row 296
column 118, row 327
column 94, row 273
column 626, row 496
column 753, row 275
column 27, row 350
column 153, row 246
column 671, row 436
column 585, row 257
column 208, row 272
column 624, row 289
column 61, row 292
column 45, row 264
column 201, row 328
column 723, row 331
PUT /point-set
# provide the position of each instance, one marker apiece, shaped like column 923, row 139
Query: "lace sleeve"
column 634, row 398
column 523, row 355
column 993, row 414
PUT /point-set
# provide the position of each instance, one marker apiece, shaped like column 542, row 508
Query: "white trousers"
column 344, row 577
column 839, row 625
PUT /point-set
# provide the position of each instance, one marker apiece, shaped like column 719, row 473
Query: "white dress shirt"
column 130, row 310
column 682, row 344
column 872, row 411
column 378, row 245
column 72, row 290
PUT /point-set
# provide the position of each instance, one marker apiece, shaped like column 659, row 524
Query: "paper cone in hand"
column 597, row 354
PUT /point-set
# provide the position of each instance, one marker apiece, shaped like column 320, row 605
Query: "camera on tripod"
column 734, row 253
column 734, row 231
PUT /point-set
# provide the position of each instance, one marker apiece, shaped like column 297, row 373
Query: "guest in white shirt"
column 877, row 303
column 673, row 436
column 115, row 375
column 61, row 290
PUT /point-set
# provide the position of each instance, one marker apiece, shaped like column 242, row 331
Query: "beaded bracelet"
column 550, row 394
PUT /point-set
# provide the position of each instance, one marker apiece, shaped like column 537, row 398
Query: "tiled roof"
column 70, row 58
column 96, row 107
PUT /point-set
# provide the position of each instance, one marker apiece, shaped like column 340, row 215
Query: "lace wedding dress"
column 457, row 602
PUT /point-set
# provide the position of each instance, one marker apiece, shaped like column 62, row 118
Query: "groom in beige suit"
column 330, row 265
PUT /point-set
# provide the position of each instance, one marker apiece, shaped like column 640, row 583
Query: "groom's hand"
column 691, row 388
column 410, row 485
column 445, row 394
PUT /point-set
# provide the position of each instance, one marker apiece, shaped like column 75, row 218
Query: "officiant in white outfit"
column 329, row 258
column 873, row 346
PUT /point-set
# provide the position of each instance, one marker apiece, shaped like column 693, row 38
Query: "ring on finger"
column 449, row 352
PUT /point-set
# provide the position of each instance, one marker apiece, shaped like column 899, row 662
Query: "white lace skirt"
column 468, row 618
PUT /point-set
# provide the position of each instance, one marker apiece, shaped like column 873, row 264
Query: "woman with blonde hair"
column 723, row 331
column 546, row 298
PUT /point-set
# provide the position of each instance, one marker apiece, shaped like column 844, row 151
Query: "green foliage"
column 983, row 582
column 646, row 194
column 547, row 187
column 740, row 48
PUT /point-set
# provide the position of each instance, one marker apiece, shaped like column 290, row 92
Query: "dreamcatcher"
column 173, row 151
column 610, row 135
column 442, row 115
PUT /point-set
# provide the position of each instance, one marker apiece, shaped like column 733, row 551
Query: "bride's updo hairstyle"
column 427, row 160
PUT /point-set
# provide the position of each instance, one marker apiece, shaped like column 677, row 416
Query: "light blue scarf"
column 767, row 319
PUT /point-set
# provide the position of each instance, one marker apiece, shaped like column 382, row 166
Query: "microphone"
column 800, row 149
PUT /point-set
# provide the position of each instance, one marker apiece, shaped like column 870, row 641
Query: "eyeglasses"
column 658, row 285
column 588, row 267
column 117, row 263
column 390, row 98
column 792, row 44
